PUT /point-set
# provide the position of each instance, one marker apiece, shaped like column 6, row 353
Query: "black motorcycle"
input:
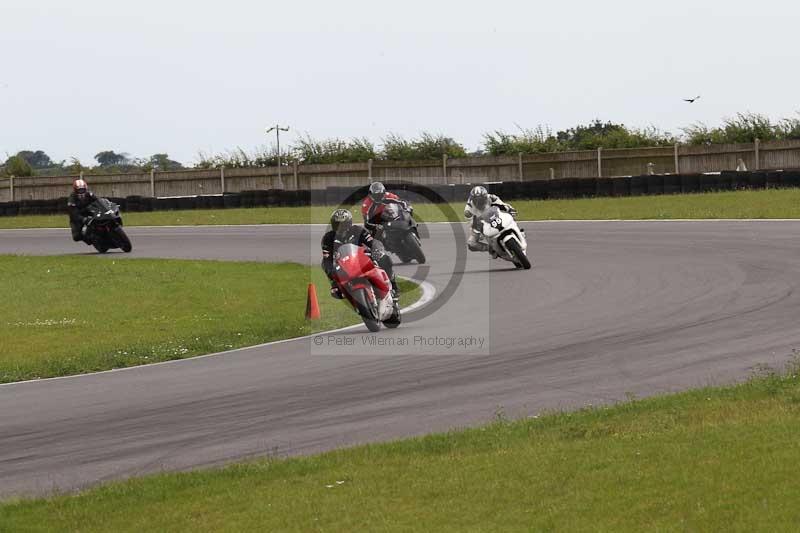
column 104, row 228
column 399, row 234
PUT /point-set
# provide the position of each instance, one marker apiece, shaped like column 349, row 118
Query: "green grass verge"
column 773, row 203
column 716, row 459
column 69, row 315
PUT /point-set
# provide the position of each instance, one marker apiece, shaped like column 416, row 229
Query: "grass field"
column 69, row 315
column 716, row 459
column 773, row 203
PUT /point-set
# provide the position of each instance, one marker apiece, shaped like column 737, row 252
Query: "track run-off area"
column 609, row 311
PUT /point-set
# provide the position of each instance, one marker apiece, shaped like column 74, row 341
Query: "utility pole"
column 278, row 131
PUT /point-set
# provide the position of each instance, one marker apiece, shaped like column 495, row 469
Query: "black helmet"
column 480, row 197
column 377, row 191
column 341, row 222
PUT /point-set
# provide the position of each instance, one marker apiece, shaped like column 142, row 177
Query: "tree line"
column 742, row 128
column 38, row 163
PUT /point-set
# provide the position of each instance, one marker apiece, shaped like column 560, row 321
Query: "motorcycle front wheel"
column 122, row 239
column 365, row 310
column 520, row 259
column 413, row 248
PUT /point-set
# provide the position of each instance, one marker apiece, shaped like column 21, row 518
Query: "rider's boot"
column 336, row 291
column 395, row 291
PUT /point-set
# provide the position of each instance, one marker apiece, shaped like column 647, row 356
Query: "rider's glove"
column 376, row 254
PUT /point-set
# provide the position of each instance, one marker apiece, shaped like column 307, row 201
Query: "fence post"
column 677, row 162
column 599, row 161
column 222, row 178
column 369, row 169
column 11, row 185
column 552, row 173
column 756, row 146
column 294, row 172
column 444, row 167
column 152, row 183
column 519, row 164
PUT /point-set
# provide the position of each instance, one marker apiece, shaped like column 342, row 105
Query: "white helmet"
column 479, row 197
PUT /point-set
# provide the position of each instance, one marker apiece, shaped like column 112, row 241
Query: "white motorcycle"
column 505, row 237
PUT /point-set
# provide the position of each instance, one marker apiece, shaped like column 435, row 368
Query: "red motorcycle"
column 366, row 286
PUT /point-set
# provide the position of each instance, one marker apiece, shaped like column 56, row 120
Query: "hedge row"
column 545, row 189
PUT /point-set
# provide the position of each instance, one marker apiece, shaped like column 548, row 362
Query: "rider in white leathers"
column 478, row 203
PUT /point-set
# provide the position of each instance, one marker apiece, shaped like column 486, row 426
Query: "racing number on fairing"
column 495, row 222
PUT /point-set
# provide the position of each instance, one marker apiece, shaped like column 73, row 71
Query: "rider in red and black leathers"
column 372, row 207
column 343, row 231
column 79, row 200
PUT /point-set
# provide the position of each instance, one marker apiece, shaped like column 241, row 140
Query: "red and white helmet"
column 80, row 188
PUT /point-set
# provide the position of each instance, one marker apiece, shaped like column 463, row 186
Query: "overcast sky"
column 182, row 77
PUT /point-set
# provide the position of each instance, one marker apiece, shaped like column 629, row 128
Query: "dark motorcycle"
column 400, row 235
column 104, row 228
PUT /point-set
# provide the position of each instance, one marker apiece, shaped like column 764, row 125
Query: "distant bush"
column 790, row 128
column 311, row 151
column 17, row 166
column 743, row 128
column 599, row 134
column 528, row 141
column 239, row 158
column 427, row 146
column 594, row 135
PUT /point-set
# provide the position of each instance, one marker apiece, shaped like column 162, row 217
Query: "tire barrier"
column 620, row 186
column 587, row 188
column 690, row 183
column 672, row 184
column 654, row 184
column 510, row 190
column 774, row 180
column 605, row 187
column 638, row 185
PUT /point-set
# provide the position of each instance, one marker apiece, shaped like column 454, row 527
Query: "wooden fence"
column 581, row 164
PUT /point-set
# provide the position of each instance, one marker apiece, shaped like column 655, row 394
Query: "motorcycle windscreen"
column 101, row 207
column 352, row 261
column 390, row 212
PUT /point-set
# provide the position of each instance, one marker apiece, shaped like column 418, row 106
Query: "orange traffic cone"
column 312, row 306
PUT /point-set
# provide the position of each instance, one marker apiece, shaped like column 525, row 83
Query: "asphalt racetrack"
column 610, row 309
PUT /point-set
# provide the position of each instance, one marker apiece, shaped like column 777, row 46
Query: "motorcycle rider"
column 343, row 231
column 478, row 203
column 77, row 204
column 372, row 206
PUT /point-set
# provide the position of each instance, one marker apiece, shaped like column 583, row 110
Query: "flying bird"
column 691, row 100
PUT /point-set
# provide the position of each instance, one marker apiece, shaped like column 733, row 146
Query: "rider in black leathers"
column 79, row 200
column 343, row 231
